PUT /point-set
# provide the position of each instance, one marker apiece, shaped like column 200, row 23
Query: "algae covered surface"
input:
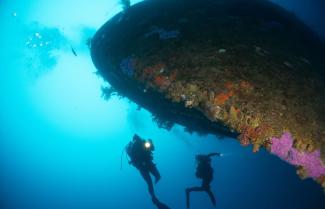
column 250, row 66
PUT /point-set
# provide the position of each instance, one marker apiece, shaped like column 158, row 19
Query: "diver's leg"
column 188, row 191
column 155, row 173
column 211, row 195
column 159, row 204
column 146, row 176
column 195, row 189
column 206, row 185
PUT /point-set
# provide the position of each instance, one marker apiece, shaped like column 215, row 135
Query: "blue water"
column 61, row 141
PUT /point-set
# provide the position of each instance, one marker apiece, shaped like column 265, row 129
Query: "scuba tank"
column 203, row 169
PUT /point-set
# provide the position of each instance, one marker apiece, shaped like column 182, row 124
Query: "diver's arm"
column 214, row 154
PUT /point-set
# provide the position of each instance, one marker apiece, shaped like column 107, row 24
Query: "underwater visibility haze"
column 244, row 78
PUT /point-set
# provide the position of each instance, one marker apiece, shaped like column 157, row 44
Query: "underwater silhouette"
column 204, row 171
column 141, row 157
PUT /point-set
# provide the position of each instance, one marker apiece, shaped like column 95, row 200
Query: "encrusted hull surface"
column 244, row 69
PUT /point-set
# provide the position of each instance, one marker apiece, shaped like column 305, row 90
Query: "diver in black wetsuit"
column 140, row 153
column 204, row 171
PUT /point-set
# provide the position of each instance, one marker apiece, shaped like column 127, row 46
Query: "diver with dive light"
column 141, row 157
column 204, row 171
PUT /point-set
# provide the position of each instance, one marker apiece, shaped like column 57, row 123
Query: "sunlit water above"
column 61, row 141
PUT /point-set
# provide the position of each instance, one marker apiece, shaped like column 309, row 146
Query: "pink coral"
column 282, row 146
column 311, row 162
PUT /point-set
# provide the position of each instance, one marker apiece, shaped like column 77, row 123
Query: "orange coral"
column 252, row 134
column 243, row 139
column 151, row 70
column 173, row 75
column 245, row 85
column 229, row 85
column 160, row 80
column 221, row 98
column 262, row 129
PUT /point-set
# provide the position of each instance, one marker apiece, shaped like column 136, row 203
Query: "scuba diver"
column 204, row 171
column 140, row 154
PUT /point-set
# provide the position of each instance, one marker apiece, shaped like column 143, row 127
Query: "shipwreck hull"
column 245, row 69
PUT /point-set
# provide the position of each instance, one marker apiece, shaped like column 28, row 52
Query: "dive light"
column 147, row 144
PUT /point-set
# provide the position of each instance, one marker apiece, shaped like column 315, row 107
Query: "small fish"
column 73, row 51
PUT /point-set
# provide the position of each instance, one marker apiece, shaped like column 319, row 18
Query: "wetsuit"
column 204, row 171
